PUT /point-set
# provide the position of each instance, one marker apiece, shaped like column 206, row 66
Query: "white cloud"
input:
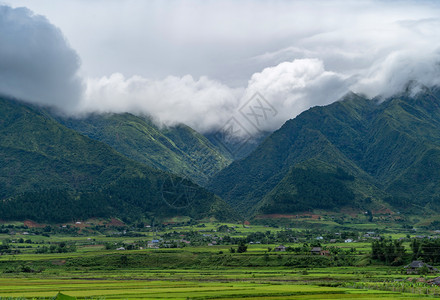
column 292, row 87
column 198, row 62
column 202, row 104
column 206, row 105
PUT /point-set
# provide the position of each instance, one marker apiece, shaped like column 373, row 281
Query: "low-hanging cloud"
column 36, row 63
column 206, row 105
column 289, row 52
column 202, row 104
column 292, row 87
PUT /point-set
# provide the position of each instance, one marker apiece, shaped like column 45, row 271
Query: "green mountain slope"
column 391, row 149
column 235, row 148
column 179, row 150
column 51, row 173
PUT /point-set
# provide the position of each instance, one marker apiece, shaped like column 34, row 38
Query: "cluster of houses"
column 314, row 250
column 158, row 243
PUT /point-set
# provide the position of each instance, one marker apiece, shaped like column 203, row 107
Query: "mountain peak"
column 384, row 146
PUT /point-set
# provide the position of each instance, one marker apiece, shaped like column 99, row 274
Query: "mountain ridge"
column 382, row 144
column 179, row 149
column 49, row 172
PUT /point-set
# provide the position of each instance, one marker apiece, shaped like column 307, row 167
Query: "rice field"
column 169, row 289
column 225, row 283
column 197, row 272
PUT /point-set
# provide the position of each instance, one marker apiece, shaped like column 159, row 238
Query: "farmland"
column 201, row 261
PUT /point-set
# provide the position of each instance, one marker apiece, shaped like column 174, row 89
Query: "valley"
column 113, row 206
column 268, row 149
column 99, row 258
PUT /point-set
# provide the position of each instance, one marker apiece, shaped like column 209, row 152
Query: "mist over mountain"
column 179, row 150
column 180, row 91
column 369, row 47
column 356, row 153
column 50, row 173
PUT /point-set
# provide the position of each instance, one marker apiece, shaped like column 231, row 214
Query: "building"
column 316, row 250
column 434, row 281
column 280, row 248
column 417, row 266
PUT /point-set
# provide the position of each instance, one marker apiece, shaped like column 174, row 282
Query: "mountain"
column 51, row 173
column 179, row 149
column 234, row 147
column 357, row 153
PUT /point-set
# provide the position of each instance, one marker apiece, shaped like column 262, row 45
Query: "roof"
column 316, row 249
column 418, row 264
column 435, row 281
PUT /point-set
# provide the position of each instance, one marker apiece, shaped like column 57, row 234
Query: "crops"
column 205, row 283
column 198, row 270
column 171, row 289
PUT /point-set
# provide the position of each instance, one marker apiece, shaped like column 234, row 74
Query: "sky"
column 202, row 62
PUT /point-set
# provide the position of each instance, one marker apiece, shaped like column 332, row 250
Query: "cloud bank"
column 36, row 63
column 200, row 62
column 202, row 104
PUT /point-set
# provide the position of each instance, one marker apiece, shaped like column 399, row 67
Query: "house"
column 416, row 266
column 120, row 248
column 333, row 241
column 153, row 244
column 434, row 281
column 280, row 248
column 348, row 241
column 316, row 250
column 324, row 253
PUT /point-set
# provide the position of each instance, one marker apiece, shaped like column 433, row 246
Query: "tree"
column 389, row 251
column 242, row 248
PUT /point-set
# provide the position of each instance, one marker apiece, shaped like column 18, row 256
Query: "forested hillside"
column 389, row 151
column 51, row 173
column 179, row 149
